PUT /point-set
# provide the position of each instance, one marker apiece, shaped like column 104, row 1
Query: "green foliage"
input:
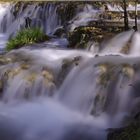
column 26, row 37
column 131, row 132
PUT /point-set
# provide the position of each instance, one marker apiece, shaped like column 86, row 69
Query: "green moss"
column 26, row 37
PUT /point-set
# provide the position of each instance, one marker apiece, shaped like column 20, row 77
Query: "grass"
column 26, row 37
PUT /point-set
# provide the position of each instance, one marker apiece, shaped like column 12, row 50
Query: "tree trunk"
column 126, row 23
column 136, row 16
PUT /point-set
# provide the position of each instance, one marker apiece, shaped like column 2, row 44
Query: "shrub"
column 26, row 37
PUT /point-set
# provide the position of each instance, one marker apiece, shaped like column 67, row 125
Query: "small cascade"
column 88, row 14
column 52, row 20
column 118, row 44
column 125, row 43
column 98, row 90
column 4, row 9
column 16, row 16
column 135, row 50
column 40, row 80
column 29, row 15
column 99, row 85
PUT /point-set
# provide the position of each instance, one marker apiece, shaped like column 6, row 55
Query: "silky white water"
column 37, row 108
column 3, row 37
column 51, row 93
column 32, row 15
column 85, row 16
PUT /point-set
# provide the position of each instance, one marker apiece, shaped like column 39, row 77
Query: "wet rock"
column 67, row 66
column 98, row 104
column 31, row 78
column 107, row 71
column 126, row 49
column 4, row 60
column 43, row 82
column 60, row 32
column 68, row 9
column 128, row 70
column 9, row 72
column 24, row 66
column 80, row 37
column 47, row 75
column 1, row 88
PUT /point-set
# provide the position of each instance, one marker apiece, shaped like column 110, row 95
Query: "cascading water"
column 15, row 17
column 87, row 15
column 3, row 37
column 57, row 94
column 116, row 44
column 52, row 20
column 4, row 9
column 96, row 92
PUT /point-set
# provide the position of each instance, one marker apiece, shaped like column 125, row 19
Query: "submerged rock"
column 60, row 32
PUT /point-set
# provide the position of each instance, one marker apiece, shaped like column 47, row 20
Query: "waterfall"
column 84, row 17
column 60, row 85
column 17, row 16
column 135, row 50
column 52, row 20
column 51, row 93
column 117, row 44
column 4, row 8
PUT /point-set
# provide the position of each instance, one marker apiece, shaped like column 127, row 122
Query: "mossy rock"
column 24, row 66
column 128, row 70
column 25, row 37
column 126, row 49
column 107, row 71
column 4, row 60
column 48, row 75
column 82, row 35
